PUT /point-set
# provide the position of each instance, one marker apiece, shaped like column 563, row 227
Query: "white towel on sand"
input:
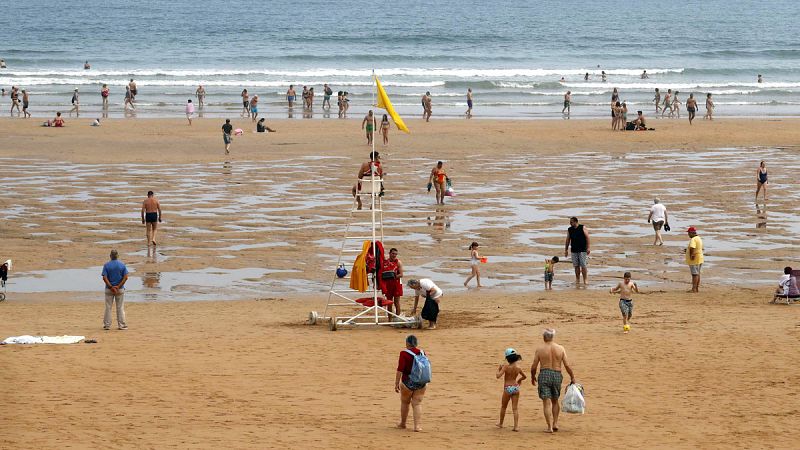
column 26, row 339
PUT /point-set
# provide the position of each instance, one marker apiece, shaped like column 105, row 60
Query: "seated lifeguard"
column 787, row 286
column 365, row 171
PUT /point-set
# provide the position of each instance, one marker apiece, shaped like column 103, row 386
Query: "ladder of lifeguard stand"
column 359, row 229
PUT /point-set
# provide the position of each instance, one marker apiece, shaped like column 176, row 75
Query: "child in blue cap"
column 513, row 375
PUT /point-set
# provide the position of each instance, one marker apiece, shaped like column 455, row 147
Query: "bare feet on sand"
column 417, row 429
column 401, row 426
column 499, row 425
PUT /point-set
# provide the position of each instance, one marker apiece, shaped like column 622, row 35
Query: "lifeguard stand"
column 346, row 306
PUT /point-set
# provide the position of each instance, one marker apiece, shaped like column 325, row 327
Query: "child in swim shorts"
column 513, row 375
column 625, row 288
column 549, row 265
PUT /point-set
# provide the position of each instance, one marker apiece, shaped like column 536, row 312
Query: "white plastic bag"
column 573, row 401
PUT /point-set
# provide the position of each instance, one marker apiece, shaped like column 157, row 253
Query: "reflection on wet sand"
column 289, row 214
column 761, row 216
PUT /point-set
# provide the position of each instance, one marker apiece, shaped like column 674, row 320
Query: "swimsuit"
column 151, row 217
column 626, row 307
column 762, row 177
column 512, row 389
column 290, row 98
column 369, row 128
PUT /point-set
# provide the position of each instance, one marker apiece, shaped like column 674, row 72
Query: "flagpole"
column 373, row 205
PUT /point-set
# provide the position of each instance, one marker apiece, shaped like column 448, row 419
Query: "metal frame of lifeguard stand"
column 338, row 298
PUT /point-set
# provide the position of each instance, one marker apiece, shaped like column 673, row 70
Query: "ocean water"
column 512, row 54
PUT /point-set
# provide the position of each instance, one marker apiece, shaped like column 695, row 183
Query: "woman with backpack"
column 411, row 380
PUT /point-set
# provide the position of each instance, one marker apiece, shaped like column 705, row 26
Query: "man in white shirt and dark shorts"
column 658, row 217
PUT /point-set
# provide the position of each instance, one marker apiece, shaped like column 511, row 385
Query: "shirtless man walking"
column 551, row 357
column 151, row 216
column 427, row 107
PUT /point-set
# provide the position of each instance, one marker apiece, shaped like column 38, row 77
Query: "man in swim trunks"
column 578, row 240
column 551, row 356
column 369, row 123
column 151, row 216
column 25, row 99
column 427, row 107
column 469, row 103
column 291, row 95
column 227, row 135
column 326, row 96
column 567, row 102
column 134, row 91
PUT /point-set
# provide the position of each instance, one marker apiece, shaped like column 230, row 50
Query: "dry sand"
column 711, row 370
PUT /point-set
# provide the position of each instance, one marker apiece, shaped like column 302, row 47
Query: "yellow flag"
column 385, row 103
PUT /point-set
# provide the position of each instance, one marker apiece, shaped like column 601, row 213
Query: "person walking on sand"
column 245, row 103
column 385, row 129
column 578, row 240
column 227, row 135
column 438, row 179
column 433, row 295
column 369, row 123
column 427, row 106
column 326, row 96
column 657, row 101
column 625, row 289
column 761, row 180
column 513, row 376
column 475, row 265
column 305, row 97
column 104, row 93
column 694, row 258
column 411, row 391
column 115, row 274
column 76, row 103
column 151, row 217
column 691, row 107
column 567, row 101
column 667, row 105
column 551, row 357
column 658, row 217
column 14, row 100
column 291, row 96
column 254, row 108
column 469, row 103
column 676, row 105
column 25, row 99
column 200, row 93
column 392, row 279
column 189, row 111
column 709, row 108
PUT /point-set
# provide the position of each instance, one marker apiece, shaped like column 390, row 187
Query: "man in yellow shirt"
column 694, row 257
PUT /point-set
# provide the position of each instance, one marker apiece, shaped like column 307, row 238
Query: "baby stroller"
column 4, row 268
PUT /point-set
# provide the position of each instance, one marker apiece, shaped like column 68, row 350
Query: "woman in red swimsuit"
column 391, row 285
column 437, row 179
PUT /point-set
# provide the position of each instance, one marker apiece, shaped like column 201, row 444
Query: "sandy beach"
column 255, row 235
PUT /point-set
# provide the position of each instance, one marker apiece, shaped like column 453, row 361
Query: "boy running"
column 625, row 288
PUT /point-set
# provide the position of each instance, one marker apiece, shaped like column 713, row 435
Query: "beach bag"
column 388, row 275
column 449, row 191
column 573, row 402
column 430, row 311
column 341, row 272
column 421, row 370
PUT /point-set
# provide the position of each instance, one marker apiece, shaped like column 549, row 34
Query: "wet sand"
column 266, row 223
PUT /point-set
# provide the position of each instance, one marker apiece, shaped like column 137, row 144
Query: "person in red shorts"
column 391, row 283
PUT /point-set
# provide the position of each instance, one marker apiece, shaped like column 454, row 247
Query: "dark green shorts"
column 550, row 384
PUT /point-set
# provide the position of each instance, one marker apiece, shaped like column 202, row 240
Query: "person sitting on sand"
column 513, row 376
column 57, row 122
column 787, row 287
column 96, row 122
column 262, row 127
column 411, row 393
column 551, row 357
column 639, row 122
